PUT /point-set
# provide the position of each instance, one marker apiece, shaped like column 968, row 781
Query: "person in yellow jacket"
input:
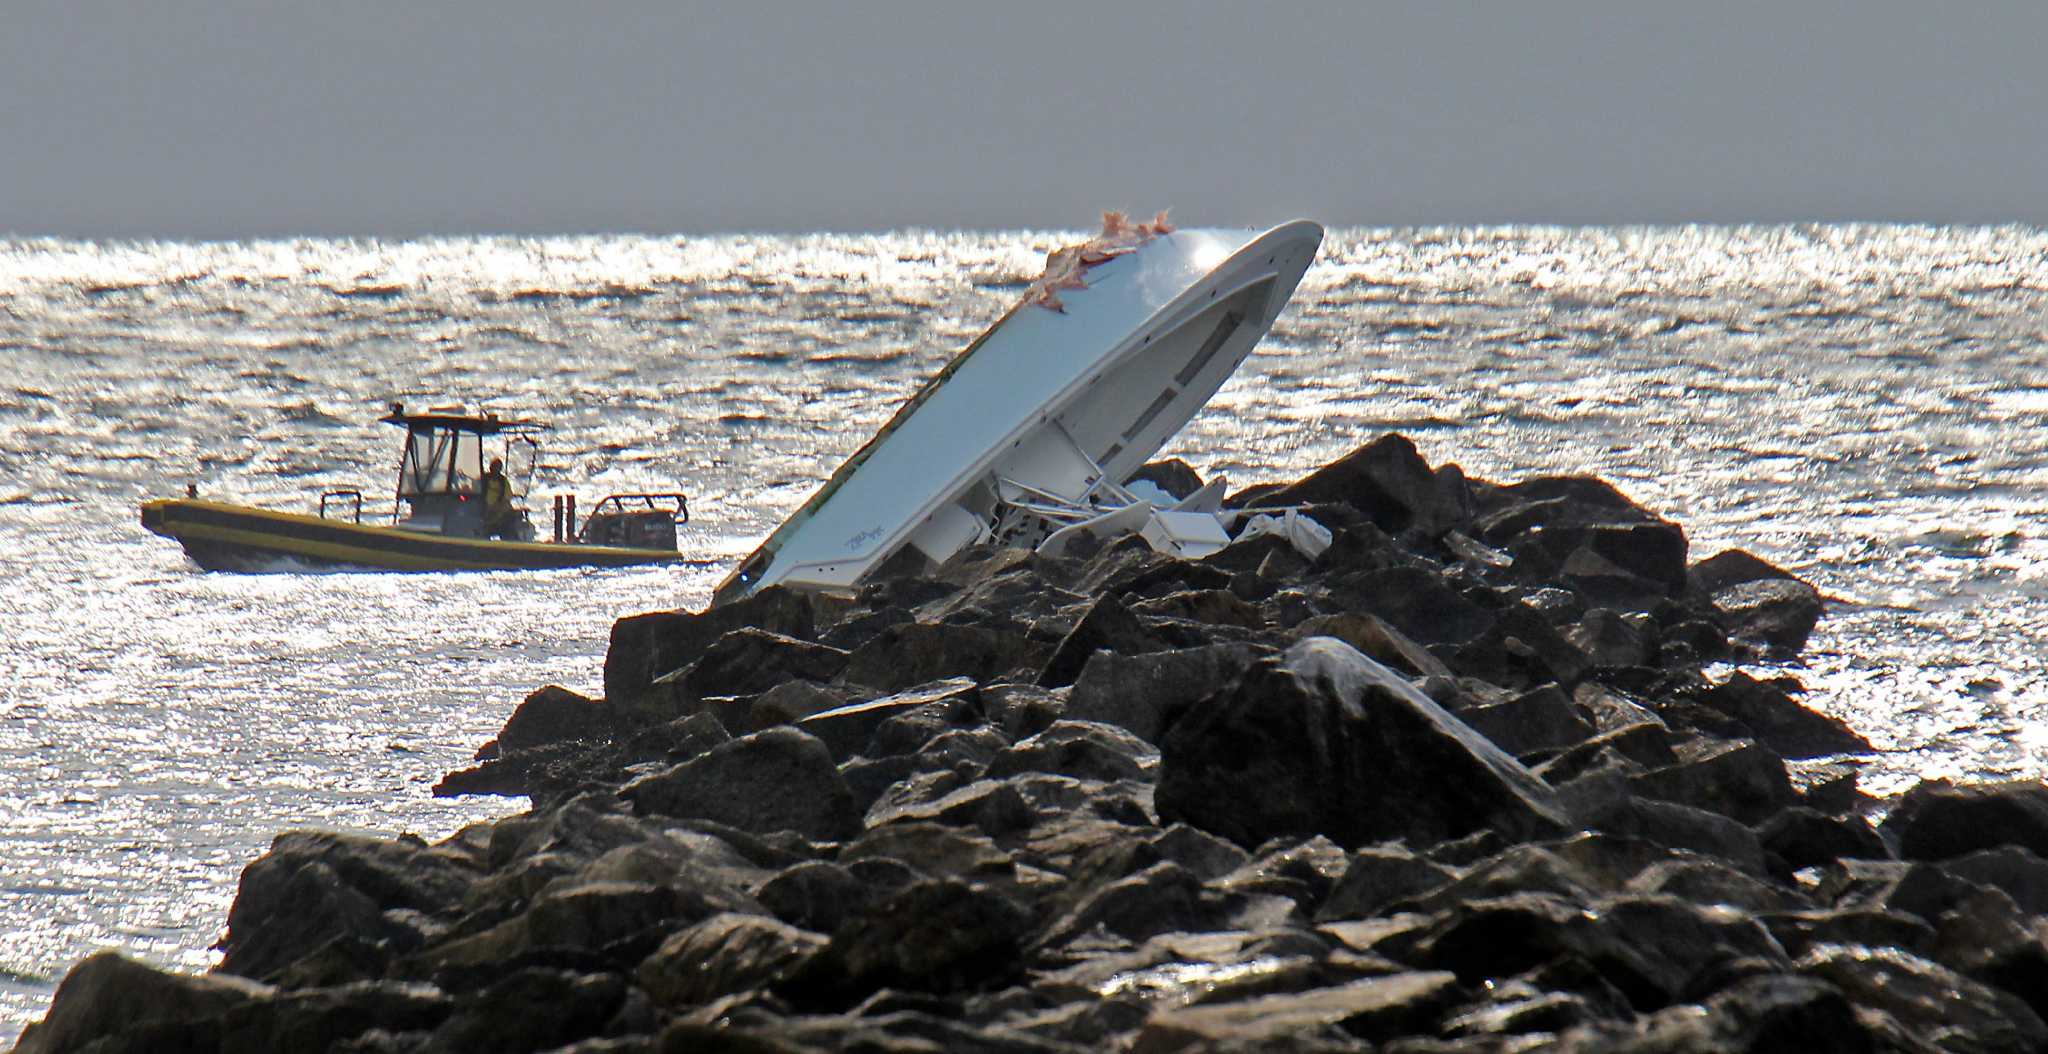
column 495, row 491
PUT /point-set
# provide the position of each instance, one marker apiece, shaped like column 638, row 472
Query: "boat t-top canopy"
column 456, row 419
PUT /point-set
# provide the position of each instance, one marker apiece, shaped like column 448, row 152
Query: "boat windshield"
column 440, row 461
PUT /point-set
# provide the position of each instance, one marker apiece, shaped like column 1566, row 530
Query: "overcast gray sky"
column 140, row 118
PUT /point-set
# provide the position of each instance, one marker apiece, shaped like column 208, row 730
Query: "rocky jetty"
column 1481, row 775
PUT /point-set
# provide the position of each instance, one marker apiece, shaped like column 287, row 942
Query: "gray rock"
column 1803, row 837
column 1378, row 876
column 1386, row 479
column 1732, row 567
column 1208, row 856
column 2016, row 872
column 1377, row 639
column 644, row 647
column 1374, row 1009
column 1703, row 881
column 815, row 895
column 747, row 661
column 1612, row 639
column 934, row 849
column 554, row 714
column 1777, row 614
column 1082, row 749
column 313, row 886
column 1541, row 719
column 1937, row 820
column 106, row 997
column 847, row 730
column 1146, row 693
column 777, row 780
column 967, row 751
column 1741, row 780
column 1779, row 722
column 531, row 1009
column 1801, row 931
column 1936, row 1003
column 937, row 935
column 792, row 701
column 914, row 653
column 723, row 955
column 1417, row 602
column 327, row 1018
column 1327, row 741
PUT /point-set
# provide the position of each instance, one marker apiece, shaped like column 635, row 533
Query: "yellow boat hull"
column 224, row 537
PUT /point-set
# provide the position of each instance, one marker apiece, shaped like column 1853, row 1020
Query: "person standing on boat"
column 495, row 491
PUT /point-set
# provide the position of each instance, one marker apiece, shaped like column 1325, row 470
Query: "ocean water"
column 1867, row 406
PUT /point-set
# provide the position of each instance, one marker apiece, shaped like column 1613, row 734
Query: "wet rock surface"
column 1464, row 781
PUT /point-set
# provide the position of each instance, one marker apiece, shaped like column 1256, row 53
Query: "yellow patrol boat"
column 452, row 512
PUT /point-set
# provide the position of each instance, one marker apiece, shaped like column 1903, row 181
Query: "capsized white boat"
column 1026, row 436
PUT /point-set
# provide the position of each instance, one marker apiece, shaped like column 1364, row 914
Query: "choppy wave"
column 1860, row 404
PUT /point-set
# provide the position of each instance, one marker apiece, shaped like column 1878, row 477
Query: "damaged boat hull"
column 1049, row 405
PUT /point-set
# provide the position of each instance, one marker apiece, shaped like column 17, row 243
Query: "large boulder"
column 848, row 730
column 580, row 918
column 1937, row 820
column 1324, row 740
column 551, row 715
column 1417, row 602
column 1376, row 638
column 722, row 955
column 749, row 660
column 644, row 647
column 913, row 653
column 1769, row 711
column 1107, row 625
column 1741, row 780
column 1732, row 567
column 1146, row 693
column 1941, row 1006
column 1386, row 479
column 327, row 1018
column 531, row 1009
column 937, row 935
column 1775, row 615
column 314, row 886
column 780, row 779
column 107, row 997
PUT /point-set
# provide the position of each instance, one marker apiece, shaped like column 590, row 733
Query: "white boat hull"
column 1048, row 408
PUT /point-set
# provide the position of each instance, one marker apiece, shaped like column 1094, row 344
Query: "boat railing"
column 675, row 504
column 349, row 494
